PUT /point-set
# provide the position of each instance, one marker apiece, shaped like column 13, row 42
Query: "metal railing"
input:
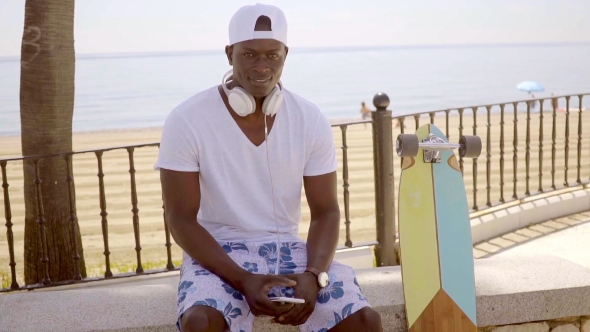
column 505, row 140
column 499, row 139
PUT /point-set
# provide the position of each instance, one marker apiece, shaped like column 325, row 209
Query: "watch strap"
column 314, row 271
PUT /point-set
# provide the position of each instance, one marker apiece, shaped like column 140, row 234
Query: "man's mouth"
column 260, row 80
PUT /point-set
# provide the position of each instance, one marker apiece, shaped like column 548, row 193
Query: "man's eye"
column 248, row 55
column 273, row 56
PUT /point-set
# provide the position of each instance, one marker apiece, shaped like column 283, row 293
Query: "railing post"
column 385, row 250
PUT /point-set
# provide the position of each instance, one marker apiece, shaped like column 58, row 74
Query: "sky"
column 129, row 26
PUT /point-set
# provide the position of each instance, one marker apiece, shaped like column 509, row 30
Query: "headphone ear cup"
column 241, row 102
column 272, row 103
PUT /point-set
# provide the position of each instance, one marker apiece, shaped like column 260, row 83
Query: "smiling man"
column 233, row 160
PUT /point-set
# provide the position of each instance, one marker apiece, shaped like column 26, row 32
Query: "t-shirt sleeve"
column 178, row 146
column 322, row 159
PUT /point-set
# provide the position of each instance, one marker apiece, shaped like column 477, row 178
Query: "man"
column 232, row 162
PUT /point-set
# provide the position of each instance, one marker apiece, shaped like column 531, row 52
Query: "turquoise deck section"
column 454, row 233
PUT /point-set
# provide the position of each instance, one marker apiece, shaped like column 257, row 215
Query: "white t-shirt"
column 200, row 135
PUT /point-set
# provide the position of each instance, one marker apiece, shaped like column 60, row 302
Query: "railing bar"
column 9, row 233
column 63, row 154
column 402, row 131
column 461, row 135
column 481, row 105
column 502, row 106
column 579, row 177
column 103, row 216
column 567, row 139
column 345, row 186
column 474, row 164
column 489, row 157
column 135, row 210
column 553, row 142
column 527, row 159
column 73, row 218
column 447, row 124
column 541, row 145
column 515, row 152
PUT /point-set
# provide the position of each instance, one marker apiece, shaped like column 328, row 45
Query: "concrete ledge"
column 509, row 291
column 529, row 213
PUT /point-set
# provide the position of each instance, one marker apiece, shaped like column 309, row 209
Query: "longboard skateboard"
column 435, row 232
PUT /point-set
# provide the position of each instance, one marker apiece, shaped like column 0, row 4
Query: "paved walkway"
column 566, row 237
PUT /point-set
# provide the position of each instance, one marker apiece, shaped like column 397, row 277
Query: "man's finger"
column 302, row 316
column 281, row 281
column 288, row 317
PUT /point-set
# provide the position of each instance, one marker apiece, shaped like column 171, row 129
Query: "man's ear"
column 229, row 51
column 286, row 51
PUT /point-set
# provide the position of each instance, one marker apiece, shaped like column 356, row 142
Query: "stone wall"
column 526, row 293
column 567, row 324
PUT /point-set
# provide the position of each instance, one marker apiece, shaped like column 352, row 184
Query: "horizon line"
column 7, row 58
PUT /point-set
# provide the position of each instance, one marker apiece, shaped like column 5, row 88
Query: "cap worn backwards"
column 243, row 23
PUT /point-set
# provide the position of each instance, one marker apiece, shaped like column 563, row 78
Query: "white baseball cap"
column 242, row 24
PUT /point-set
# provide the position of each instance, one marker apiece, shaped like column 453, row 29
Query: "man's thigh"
column 199, row 287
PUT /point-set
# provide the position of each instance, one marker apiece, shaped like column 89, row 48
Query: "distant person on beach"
column 365, row 112
column 533, row 103
column 233, row 160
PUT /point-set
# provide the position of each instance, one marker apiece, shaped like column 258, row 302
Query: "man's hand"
column 307, row 288
column 255, row 288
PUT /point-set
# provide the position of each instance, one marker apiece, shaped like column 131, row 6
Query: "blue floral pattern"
column 346, row 311
column 183, row 288
column 360, row 294
column 202, row 272
column 288, row 291
column 250, row 267
column 231, row 246
column 198, row 286
column 234, row 293
column 269, row 253
column 332, row 291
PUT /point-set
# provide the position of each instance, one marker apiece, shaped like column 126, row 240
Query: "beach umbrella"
column 530, row 86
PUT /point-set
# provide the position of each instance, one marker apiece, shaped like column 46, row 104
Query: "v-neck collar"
column 239, row 130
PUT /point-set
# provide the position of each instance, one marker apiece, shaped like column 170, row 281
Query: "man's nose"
column 260, row 66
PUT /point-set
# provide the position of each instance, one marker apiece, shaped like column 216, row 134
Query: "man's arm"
column 182, row 196
column 322, row 239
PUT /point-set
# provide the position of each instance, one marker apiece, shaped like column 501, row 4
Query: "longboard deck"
column 435, row 243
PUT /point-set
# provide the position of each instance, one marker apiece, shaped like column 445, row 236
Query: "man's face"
column 257, row 64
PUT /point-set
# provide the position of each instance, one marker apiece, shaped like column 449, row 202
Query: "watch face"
column 323, row 279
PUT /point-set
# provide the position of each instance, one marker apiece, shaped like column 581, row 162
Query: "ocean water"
column 117, row 91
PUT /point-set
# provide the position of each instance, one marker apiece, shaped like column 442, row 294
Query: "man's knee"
column 202, row 319
column 370, row 318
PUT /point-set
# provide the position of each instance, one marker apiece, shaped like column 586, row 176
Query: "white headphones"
column 243, row 103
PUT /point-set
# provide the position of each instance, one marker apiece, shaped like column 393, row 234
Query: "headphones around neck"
column 244, row 104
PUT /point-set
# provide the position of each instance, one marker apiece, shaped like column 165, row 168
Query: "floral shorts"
column 197, row 286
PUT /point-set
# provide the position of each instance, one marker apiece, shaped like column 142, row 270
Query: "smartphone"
column 284, row 300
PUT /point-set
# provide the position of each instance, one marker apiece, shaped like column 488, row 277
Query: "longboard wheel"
column 470, row 146
column 407, row 145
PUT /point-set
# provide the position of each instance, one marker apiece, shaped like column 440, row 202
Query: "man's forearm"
column 322, row 240
column 198, row 243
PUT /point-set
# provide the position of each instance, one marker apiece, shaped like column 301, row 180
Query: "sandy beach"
column 361, row 180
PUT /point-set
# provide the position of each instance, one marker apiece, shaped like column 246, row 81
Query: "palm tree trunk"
column 53, row 246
